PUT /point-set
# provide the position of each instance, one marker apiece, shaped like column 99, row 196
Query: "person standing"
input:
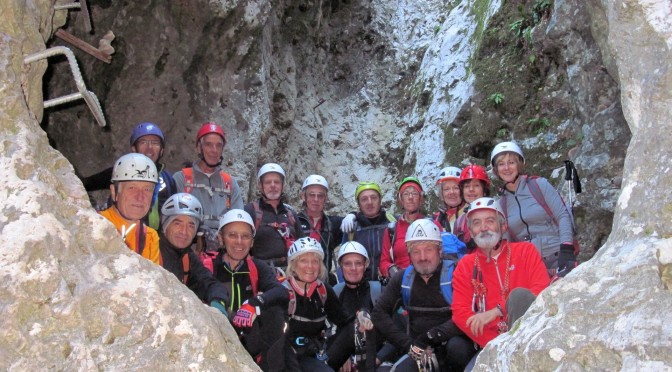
column 316, row 223
column 134, row 178
column 369, row 225
column 448, row 190
column 277, row 223
column 217, row 190
column 534, row 210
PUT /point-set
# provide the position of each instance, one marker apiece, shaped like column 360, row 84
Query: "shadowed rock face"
column 352, row 90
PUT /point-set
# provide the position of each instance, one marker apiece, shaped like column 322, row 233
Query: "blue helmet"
column 146, row 129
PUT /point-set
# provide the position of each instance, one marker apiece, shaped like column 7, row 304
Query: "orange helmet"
column 473, row 171
column 210, row 127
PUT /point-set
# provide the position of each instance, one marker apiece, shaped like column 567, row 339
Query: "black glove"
column 566, row 259
column 433, row 337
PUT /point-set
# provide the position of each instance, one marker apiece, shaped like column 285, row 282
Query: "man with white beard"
column 495, row 285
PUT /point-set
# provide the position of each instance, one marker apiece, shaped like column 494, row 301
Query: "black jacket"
column 422, row 295
column 268, row 243
column 237, row 281
column 312, row 308
column 330, row 234
column 369, row 233
column 200, row 280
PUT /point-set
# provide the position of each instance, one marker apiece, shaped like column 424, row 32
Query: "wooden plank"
column 83, row 45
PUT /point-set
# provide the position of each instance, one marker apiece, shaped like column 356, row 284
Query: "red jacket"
column 526, row 270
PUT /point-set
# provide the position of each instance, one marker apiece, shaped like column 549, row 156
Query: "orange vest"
column 150, row 248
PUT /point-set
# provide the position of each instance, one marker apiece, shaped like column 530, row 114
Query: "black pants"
column 453, row 356
column 266, row 339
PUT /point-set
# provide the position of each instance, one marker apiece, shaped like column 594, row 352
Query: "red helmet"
column 210, row 127
column 471, row 172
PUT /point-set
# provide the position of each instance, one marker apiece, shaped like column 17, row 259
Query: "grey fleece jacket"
column 528, row 220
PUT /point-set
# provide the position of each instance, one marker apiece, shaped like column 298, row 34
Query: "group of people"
column 366, row 291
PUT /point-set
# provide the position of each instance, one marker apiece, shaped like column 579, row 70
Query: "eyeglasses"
column 351, row 265
column 409, row 195
column 236, row 236
column 318, row 196
column 150, row 143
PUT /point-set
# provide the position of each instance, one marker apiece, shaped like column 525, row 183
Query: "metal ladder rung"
column 88, row 96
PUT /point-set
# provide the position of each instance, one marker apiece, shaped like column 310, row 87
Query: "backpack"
column 291, row 309
column 208, row 262
column 374, row 290
column 226, row 180
column 259, row 214
column 535, row 190
column 446, row 286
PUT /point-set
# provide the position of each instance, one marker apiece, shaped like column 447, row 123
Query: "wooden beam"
column 83, row 45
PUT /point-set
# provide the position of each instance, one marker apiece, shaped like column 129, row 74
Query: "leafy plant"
column 496, row 98
column 542, row 9
column 502, row 133
column 437, row 28
column 539, row 125
column 517, row 27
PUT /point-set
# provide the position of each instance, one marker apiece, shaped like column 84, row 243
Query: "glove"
column 392, row 270
column 245, row 315
column 433, row 337
column 364, row 319
column 219, row 305
column 348, row 224
column 416, row 352
column 566, row 259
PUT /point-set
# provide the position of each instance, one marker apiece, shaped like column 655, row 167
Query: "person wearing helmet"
column 488, row 294
column 369, row 225
column 411, row 198
column 277, row 223
column 207, row 180
column 316, row 223
column 474, row 184
column 431, row 330
column 147, row 139
column 134, row 178
column 312, row 303
column 255, row 300
column 182, row 214
column 448, row 190
column 535, row 210
column 358, row 297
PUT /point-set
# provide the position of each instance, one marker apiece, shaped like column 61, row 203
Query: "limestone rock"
column 73, row 296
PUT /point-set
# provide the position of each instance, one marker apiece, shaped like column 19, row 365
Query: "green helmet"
column 410, row 179
column 367, row 185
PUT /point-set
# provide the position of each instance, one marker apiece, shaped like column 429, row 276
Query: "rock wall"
column 606, row 314
column 339, row 88
column 73, row 296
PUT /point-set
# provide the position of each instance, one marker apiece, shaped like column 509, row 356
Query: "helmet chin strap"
column 221, row 158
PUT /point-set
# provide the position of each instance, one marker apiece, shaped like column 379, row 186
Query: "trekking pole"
column 568, row 181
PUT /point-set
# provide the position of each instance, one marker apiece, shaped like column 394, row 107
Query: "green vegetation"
column 539, row 125
column 496, row 98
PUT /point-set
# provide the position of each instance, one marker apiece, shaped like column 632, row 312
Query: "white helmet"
column 506, row 147
column 353, row 247
column 134, row 167
column 270, row 168
column 182, row 204
column 305, row 245
column 486, row 203
column 448, row 173
column 315, row 179
column 236, row 215
column 423, row 229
